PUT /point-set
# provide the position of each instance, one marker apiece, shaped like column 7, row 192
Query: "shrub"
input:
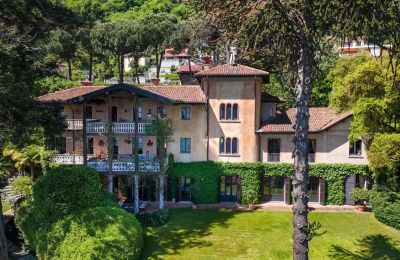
column 157, row 218
column 23, row 185
column 386, row 207
column 360, row 195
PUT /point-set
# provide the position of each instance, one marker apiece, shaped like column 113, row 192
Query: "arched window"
column 228, row 145
column 222, row 112
column 228, row 112
column 221, row 145
column 235, row 112
column 234, row 145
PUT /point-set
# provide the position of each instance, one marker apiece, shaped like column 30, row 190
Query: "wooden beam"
column 84, row 134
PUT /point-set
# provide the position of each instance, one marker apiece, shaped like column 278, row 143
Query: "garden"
column 233, row 234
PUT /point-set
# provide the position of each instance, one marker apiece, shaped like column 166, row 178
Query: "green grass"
column 6, row 206
column 230, row 234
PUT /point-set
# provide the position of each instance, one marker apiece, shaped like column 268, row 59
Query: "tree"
column 294, row 30
column 157, row 32
column 63, row 44
column 116, row 38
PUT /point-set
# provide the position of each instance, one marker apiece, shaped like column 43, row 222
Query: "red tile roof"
column 232, row 70
column 185, row 68
column 321, row 118
column 179, row 94
column 64, row 95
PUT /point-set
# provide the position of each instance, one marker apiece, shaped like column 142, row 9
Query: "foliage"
column 70, row 216
column 386, row 207
column 23, row 185
column 206, row 177
column 359, row 195
column 172, row 76
column 156, row 218
column 384, row 159
column 55, row 83
column 162, row 130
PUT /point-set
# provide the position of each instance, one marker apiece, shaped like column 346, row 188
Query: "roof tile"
column 232, row 70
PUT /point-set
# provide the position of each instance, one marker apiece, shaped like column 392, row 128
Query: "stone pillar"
column 161, row 202
column 110, row 184
column 136, row 196
column 286, row 191
column 321, row 191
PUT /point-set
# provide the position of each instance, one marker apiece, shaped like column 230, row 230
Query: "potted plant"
column 360, row 196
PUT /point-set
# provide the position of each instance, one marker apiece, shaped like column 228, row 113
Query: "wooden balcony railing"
column 74, row 124
column 118, row 127
column 70, row 159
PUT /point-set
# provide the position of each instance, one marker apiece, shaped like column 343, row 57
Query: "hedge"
column 386, row 207
column 206, row 178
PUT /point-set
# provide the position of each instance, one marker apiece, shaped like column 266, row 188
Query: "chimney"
column 232, row 55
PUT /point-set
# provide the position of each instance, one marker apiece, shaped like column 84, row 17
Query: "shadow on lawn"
column 368, row 247
column 187, row 229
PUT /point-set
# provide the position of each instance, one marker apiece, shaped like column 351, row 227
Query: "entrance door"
column 313, row 189
column 114, row 114
column 185, row 189
column 229, row 188
column 273, row 188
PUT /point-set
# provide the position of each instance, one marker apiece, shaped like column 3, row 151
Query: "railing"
column 74, row 124
column 70, row 159
column 311, row 157
column 273, row 157
column 118, row 166
column 118, row 127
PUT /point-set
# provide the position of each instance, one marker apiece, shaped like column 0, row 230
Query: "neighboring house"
column 226, row 118
column 354, row 47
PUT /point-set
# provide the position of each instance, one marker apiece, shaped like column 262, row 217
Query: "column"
column 136, row 201
column 84, row 133
column 110, row 184
column 161, row 202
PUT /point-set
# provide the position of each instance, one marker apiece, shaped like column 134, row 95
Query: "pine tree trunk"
column 3, row 239
column 90, row 66
column 157, row 62
column 301, row 179
column 69, row 69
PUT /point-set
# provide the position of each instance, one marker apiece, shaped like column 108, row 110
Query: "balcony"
column 70, row 159
column 274, row 157
column 94, row 127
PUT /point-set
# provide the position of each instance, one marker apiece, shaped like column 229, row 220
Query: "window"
column 228, row 145
column 140, row 113
column 114, row 114
column 185, row 145
column 355, row 148
column 140, row 145
column 221, row 145
column 116, row 150
column 270, row 111
column 273, row 150
column 185, row 113
column 161, row 112
column 88, row 112
column 90, row 148
column 235, row 112
column 228, row 112
column 312, row 147
column 222, row 112
column 234, row 145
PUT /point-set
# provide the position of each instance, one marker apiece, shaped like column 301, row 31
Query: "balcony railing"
column 273, row 157
column 121, row 166
column 118, row 127
column 74, row 124
column 70, row 159
column 311, row 158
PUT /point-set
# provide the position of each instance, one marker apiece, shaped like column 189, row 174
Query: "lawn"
column 230, row 234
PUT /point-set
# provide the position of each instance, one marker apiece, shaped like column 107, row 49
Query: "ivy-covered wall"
column 206, row 178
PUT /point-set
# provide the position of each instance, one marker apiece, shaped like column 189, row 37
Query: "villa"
column 225, row 118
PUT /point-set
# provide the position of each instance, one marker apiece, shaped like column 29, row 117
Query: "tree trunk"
column 69, row 69
column 3, row 239
column 137, row 70
column 157, row 61
column 301, row 179
column 120, row 71
column 190, row 71
column 91, row 66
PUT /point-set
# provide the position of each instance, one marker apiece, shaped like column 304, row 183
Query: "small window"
column 140, row 113
column 355, row 148
column 234, row 145
column 185, row 113
column 88, row 112
column 221, row 145
column 312, row 146
column 235, row 112
column 186, row 145
column 274, row 150
column 270, row 111
column 228, row 145
column 140, row 145
column 222, row 112
column 228, row 112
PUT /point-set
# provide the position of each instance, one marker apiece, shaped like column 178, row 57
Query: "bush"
column 386, row 207
column 360, row 195
column 23, row 185
column 157, row 218
column 71, row 217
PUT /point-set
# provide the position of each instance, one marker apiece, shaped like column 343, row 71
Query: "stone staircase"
column 7, row 193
